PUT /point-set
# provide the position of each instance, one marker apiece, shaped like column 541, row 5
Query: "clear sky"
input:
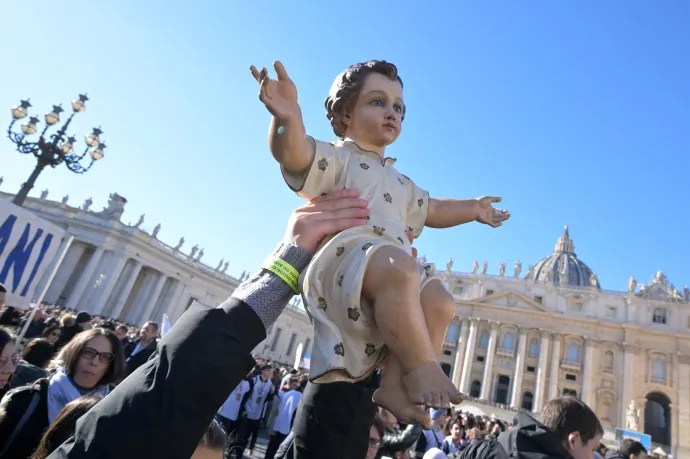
column 576, row 112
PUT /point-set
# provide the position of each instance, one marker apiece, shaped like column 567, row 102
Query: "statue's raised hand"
column 280, row 95
column 488, row 215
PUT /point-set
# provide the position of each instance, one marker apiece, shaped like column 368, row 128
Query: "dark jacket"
column 528, row 440
column 613, row 454
column 333, row 421
column 140, row 358
column 164, row 407
column 27, row 374
column 13, row 407
column 395, row 440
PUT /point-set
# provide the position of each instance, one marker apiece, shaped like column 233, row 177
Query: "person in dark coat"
column 139, row 351
column 569, row 430
column 164, row 407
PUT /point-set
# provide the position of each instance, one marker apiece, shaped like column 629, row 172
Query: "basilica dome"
column 563, row 267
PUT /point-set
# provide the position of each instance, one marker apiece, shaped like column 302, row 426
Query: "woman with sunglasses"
column 86, row 366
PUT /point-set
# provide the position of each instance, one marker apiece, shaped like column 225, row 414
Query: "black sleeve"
column 400, row 441
column 166, row 405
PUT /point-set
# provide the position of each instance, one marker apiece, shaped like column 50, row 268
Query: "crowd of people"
column 198, row 392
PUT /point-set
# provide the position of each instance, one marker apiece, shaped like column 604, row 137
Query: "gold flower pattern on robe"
column 339, row 251
column 339, row 349
column 353, row 314
column 323, row 164
column 379, row 231
column 370, row 349
column 322, row 304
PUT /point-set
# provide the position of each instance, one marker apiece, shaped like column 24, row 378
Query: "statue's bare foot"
column 429, row 386
column 394, row 398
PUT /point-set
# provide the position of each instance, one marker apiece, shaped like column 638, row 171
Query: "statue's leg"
column 391, row 283
column 439, row 308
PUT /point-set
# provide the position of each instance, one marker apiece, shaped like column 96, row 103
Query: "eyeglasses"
column 374, row 443
column 56, row 333
column 104, row 357
column 7, row 358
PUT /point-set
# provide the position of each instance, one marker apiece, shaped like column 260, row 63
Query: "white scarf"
column 61, row 391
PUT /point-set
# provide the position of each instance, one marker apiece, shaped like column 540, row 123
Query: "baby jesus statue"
column 372, row 305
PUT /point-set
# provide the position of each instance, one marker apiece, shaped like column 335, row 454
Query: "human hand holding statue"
column 325, row 215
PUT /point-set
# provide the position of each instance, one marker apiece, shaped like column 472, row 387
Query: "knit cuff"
column 266, row 293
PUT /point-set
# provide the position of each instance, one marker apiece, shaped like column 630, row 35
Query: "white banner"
column 28, row 246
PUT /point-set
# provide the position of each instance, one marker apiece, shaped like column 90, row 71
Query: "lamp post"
column 54, row 149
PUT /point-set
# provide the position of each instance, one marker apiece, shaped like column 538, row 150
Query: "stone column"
column 675, row 427
column 460, row 351
column 84, row 280
column 489, row 363
column 126, row 290
column 588, row 373
column 112, row 279
column 516, row 399
column 541, row 371
column 555, row 370
column 152, row 300
column 628, row 380
column 177, row 302
column 466, row 379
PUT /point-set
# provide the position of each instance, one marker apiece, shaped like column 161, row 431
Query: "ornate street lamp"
column 55, row 149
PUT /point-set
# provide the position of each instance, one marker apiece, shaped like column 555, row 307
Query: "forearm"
column 288, row 142
column 266, row 293
column 445, row 213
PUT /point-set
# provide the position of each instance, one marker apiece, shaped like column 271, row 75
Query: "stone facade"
column 517, row 342
column 121, row 271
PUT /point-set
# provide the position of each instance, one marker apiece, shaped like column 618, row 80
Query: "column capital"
column 494, row 325
column 474, row 321
column 557, row 336
column 544, row 333
column 464, row 322
column 523, row 330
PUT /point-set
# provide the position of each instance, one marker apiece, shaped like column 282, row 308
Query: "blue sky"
column 576, row 112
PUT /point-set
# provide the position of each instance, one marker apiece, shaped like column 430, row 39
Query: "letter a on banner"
column 28, row 247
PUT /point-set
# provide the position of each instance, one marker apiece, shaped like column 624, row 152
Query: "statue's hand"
column 488, row 215
column 280, row 95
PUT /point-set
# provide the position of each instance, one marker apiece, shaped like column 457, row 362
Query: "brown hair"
column 63, row 426
column 566, row 415
column 347, row 86
column 69, row 356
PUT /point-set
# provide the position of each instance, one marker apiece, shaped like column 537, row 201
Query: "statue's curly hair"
column 347, row 86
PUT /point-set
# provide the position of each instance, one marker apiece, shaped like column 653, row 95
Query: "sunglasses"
column 7, row 358
column 103, row 357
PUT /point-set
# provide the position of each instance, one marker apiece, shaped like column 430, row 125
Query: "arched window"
column 659, row 369
column 452, row 333
column 475, row 388
column 573, row 354
column 657, row 418
column 608, row 361
column 509, row 341
column 527, row 400
column 569, row 393
column 533, row 347
column 484, row 341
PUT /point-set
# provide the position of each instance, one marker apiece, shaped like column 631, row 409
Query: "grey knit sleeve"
column 266, row 293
